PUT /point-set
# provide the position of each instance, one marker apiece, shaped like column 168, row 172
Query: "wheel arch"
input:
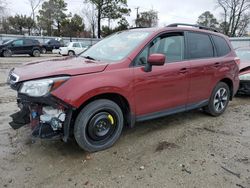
column 229, row 82
column 119, row 99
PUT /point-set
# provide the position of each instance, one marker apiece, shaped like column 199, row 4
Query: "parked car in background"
column 131, row 76
column 4, row 41
column 21, row 46
column 52, row 44
column 73, row 48
column 244, row 54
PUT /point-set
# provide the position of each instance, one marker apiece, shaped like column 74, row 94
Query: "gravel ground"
column 190, row 149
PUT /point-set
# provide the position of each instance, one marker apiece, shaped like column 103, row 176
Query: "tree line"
column 51, row 18
column 235, row 18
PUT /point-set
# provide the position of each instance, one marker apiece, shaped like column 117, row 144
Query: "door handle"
column 183, row 71
column 217, row 64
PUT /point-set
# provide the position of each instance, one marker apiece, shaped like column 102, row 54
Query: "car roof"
column 178, row 29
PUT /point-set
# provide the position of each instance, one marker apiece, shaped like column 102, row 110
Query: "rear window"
column 28, row 42
column 221, row 45
column 199, row 46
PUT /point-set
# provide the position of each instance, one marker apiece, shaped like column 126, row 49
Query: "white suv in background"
column 73, row 48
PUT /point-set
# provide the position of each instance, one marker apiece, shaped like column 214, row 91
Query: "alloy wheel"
column 220, row 99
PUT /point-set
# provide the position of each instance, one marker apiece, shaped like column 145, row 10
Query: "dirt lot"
column 189, row 149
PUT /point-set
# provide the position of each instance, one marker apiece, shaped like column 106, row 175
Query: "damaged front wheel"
column 98, row 125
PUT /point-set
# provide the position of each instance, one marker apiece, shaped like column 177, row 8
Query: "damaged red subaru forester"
column 130, row 76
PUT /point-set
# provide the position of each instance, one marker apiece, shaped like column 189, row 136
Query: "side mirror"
column 155, row 60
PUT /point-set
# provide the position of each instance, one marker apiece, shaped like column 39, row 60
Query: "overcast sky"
column 169, row 11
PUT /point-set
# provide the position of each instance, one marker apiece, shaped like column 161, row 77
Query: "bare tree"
column 89, row 13
column 34, row 4
column 235, row 14
column 2, row 8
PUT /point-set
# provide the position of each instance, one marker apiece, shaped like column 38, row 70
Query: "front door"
column 17, row 46
column 165, row 88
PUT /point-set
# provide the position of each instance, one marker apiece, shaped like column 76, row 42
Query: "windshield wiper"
column 88, row 57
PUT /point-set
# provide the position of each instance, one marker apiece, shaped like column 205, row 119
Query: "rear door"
column 203, row 66
column 165, row 88
column 28, row 46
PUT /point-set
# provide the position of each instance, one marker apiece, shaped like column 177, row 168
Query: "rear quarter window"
column 199, row 46
column 221, row 45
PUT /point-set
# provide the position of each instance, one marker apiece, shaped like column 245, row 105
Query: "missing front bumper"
column 32, row 109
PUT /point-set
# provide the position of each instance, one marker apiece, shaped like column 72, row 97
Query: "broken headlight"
column 39, row 88
column 245, row 76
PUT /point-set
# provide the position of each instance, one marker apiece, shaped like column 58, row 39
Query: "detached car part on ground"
column 244, row 54
column 131, row 76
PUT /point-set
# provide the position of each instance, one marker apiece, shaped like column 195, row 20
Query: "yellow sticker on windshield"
column 111, row 119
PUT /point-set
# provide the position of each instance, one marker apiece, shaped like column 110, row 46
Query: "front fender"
column 79, row 89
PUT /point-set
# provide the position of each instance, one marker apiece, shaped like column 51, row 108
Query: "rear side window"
column 76, row 45
column 199, row 46
column 221, row 45
column 36, row 42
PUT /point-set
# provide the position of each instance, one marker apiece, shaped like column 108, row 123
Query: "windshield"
column 7, row 41
column 116, row 47
column 243, row 54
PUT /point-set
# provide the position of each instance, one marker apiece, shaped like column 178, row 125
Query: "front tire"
column 44, row 51
column 99, row 125
column 7, row 53
column 219, row 100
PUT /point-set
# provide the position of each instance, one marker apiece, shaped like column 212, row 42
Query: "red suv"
column 128, row 77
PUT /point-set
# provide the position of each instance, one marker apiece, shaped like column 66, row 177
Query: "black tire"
column 219, row 100
column 7, row 53
column 71, row 53
column 44, row 51
column 99, row 125
column 36, row 53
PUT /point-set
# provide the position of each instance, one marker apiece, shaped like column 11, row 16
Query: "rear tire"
column 219, row 100
column 99, row 125
column 36, row 53
column 71, row 53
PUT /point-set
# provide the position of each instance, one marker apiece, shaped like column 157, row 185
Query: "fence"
column 236, row 41
column 43, row 39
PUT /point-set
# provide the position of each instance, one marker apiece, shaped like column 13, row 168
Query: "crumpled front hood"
column 54, row 67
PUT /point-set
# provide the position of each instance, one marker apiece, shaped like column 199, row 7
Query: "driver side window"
column 18, row 43
column 170, row 45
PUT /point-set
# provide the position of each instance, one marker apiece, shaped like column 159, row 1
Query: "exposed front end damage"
column 47, row 117
column 244, row 81
column 244, row 87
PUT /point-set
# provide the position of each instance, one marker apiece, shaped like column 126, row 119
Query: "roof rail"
column 137, row 27
column 193, row 25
